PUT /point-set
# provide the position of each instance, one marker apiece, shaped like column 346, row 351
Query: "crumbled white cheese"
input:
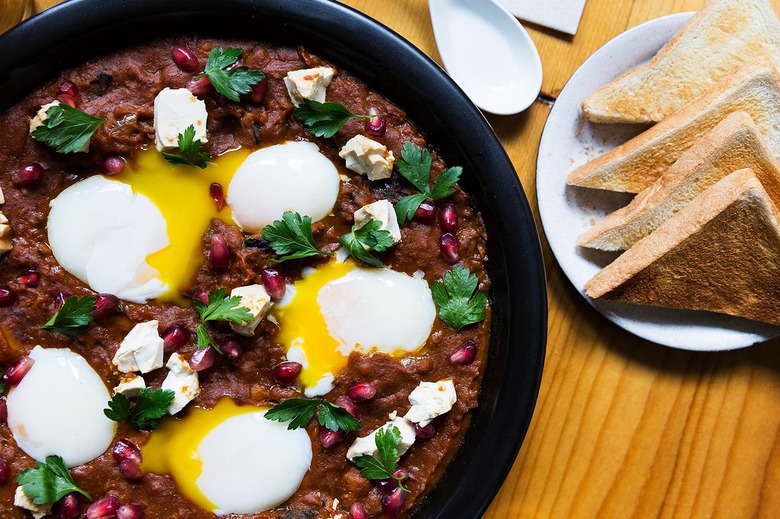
column 5, row 232
column 141, row 350
column 257, row 301
column 40, row 118
column 130, row 385
column 323, row 386
column 365, row 156
column 384, row 213
column 429, row 400
column 310, row 83
column 367, row 444
column 22, row 501
column 174, row 111
column 182, row 380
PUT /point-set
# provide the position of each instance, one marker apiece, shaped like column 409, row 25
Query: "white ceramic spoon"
column 488, row 53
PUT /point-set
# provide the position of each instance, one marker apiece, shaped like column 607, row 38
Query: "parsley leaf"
column 230, row 82
column 220, row 308
column 415, row 166
column 73, row 317
column 150, row 406
column 2, row 388
column 324, row 119
column 387, row 440
column 369, row 237
column 66, row 129
column 300, row 411
column 291, row 237
column 456, row 299
column 190, row 151
column 49, row 482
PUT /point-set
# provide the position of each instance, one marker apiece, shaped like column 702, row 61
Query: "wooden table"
column 623, row 427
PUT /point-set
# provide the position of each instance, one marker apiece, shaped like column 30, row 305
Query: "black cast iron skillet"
column 70, row 33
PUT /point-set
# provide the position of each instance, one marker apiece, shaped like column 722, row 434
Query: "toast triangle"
column 634, row 165
column 720, row 38
column 735, row 143
column 720, row 253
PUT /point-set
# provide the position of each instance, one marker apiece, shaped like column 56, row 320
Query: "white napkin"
column 561, row 15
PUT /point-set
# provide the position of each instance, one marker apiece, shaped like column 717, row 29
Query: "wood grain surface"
column 623, row 427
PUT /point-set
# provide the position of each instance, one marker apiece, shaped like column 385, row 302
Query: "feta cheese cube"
column 382, row 211
column 367, row 444
column 141, row 350
column 130, row 385
column 429, row 400
column 182, row 380
column 310, row 83
column 257, row 301
column 40, row 118
column 365, row 156
column 174, row 111
column 22, row 501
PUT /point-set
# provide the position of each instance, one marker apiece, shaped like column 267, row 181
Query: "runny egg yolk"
column 181, row 193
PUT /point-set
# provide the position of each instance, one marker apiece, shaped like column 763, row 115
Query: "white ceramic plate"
column 566, row 211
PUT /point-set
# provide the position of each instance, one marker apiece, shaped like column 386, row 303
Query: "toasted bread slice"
column 718, row 40
column 720, row 253
column 634, row 165
column 733, row 144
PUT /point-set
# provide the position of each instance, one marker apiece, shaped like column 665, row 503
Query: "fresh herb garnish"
column 2, row 388
column 300, row 411
column 387, row 440
column 456, row 299
column 190, row 151
column 371, row 236
column 220, row 308
column 291, row 237
column 49, row 482
column 415, row 166
column 73, row 317
column 230, row 82
column 66, row 129
column 145, row 414
column 325, row 119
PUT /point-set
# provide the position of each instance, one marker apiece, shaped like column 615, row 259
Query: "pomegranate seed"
column 215, row 190
column 68, row 507
column 3, row 410
column 377, row 124
column 448, row 219
column 103, row 508
column 448, row 248
column 125, row 450
column 220, row 253
column 274, row 283
column 204, row 297
column 426, row 212
column 200, row 87
column 393, row 501
column 184, row 58
column 29, row 278
column 464, row 355
column 203, row 358
column 257, row 94
column 176, row 337
column 60, row 299
column 424, row 433
column 105, row 305
column 348, row 404
column 5, row 471
column 360, row 391
column 16, row 371
column 231, row 349
column 131, row 470
column 400, row 474
column 287, row 373
column 330, row 438
column 113, row 165
column 28, row 176
column 130, row 512
column 7, row 296
column 69, row 94
column 356, row 511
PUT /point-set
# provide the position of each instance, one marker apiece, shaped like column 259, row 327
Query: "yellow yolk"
column 181, row 193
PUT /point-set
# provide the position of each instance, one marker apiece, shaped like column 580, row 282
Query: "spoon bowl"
column 488, row 53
